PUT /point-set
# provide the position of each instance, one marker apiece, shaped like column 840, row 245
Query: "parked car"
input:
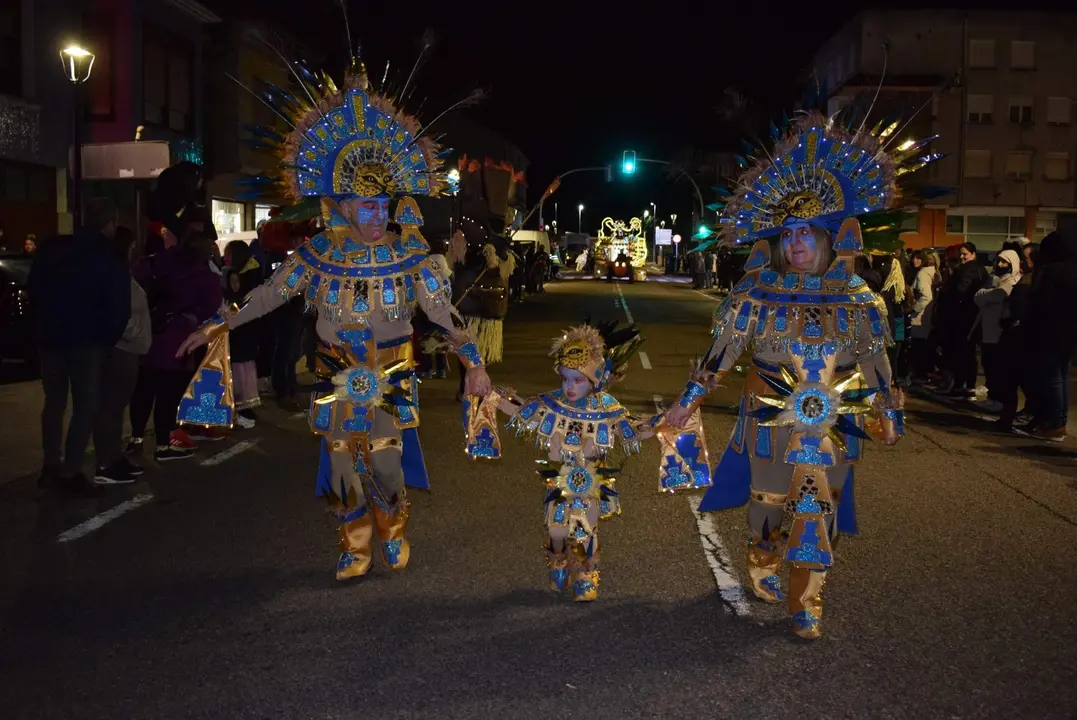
column 16, row 329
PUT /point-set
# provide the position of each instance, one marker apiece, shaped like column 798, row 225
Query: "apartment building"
column 998, row 88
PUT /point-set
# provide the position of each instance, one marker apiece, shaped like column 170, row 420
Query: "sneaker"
column 988, row 406
column 134, row 446
column 180, row 440
column 245, row 422
column 114, row 475
column 206, row 434
column 1055, row 435
column 170, row 452
column 79, row 486
column 129, row 467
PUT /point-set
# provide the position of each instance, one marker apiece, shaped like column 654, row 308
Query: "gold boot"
column 395, row 550
column 356, row 529
column 585, row 584
column 764, row 564
column 558, row 562
column 806, row 601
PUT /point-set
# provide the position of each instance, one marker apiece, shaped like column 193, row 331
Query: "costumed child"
column 579, row 426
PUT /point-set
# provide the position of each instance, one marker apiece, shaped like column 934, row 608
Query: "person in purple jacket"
column 183, row 293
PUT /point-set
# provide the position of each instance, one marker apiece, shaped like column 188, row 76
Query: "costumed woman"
column 577, row 429
column 350, row 151
column 818, row 337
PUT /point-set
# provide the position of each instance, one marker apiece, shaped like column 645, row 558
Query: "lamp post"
column 78, row 63
column 579, row 219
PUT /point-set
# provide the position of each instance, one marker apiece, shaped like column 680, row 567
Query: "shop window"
column 227, row 216
column 1021, row 109
column 977, row 163
column 1056, row 166
column 995, row 224
column 1059, row 110
column 981, row 53
column 955, row 224
column 981, row 108
column 261, row 213
column 1023, row 55
column 910, row 222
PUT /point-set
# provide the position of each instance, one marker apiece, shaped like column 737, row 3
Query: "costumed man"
column 820, row 377
column 350, row 151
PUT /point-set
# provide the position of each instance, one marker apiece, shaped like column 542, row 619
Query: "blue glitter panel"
column 484, row 446
column 295, row 276
column 790, row 281
column 746, row 283
column 400, row 249
column 409, row 217
column 360, row 304
column 813, row 283
column 430, row 281
column 627, row 431
column 333, row 296
column 383, row 254
column 470, row 353
column 602, row 435
column 388, row 294
column 809, row 454
column 529, row 410
column 207, row 406
column 320, row 243
column 547, row 424
column 847, row 242
column 350, row 246
column 781, row 320
column 756, row 260
column 743, row 316
column 409, row 289
column 763, row 447
column 837, row 274
column 808, row 550
column 856, row 281
column 312, row 288
column 335, row 255
column 769, row 277
column 405, row 414
column 322, row 416
column 876, row 321
column 761, row 323
column 843, row 321
column 559, row 513
column 359, row 420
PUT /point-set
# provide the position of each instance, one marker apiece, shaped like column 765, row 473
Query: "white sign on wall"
column 663, row 236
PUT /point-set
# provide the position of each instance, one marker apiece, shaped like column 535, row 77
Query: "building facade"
column 36, row 103
column 147, row 81
column 998, row 88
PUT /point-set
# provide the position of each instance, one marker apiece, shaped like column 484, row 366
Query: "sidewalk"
column 20, row 442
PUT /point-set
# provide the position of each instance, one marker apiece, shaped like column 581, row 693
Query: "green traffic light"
column 703, row 231
column 629, row 168
column 628, row 162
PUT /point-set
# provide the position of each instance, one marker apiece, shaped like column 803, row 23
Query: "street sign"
column 676, row 239
column 663, row 236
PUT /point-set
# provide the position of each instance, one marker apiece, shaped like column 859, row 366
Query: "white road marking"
column 98, row 521
column 644, row 360
column 229, row 453
column 624, row 303
column 712, row 298
column 729, row 587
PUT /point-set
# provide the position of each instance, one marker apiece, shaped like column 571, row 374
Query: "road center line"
column 729, row 587
column 624, row 303
column 229, row 453
column 644, row 360
column 98, row 521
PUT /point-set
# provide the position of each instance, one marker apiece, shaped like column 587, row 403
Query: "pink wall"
column 126, row 65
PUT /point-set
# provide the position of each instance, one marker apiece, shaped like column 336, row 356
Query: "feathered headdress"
column 820, row 172
column 600, row 352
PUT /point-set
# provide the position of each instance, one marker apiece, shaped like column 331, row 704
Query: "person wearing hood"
column 991, row 301
column 1051, row 334
column 80, row 292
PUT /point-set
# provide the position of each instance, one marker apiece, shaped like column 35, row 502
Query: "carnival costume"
column 820, row 379
column 579, row 439
column 352, row 149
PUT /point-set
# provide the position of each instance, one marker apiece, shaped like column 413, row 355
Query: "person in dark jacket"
column 1013, row 369
column 183, row 293
column 968, row 278
column 1051, row 334
column 80, row 292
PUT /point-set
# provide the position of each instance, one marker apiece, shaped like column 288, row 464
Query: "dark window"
column 10, row 49
column 14, row 182
column 100, row 32
column 167, row 72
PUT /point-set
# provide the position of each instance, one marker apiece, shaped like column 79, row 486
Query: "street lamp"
column 78, row 63
column 646, row 214
column 579, row 219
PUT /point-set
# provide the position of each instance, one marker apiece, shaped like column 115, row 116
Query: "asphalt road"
column 216, row 598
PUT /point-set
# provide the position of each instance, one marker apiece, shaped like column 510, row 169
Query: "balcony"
column 20, row 129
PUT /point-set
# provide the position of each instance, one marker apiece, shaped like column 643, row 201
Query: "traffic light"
column 703, row 231
column 628, row 162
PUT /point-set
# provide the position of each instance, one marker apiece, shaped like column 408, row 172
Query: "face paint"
column 574, row 384
column 798, row 245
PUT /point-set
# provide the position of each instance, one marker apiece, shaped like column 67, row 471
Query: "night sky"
column 574, row 84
